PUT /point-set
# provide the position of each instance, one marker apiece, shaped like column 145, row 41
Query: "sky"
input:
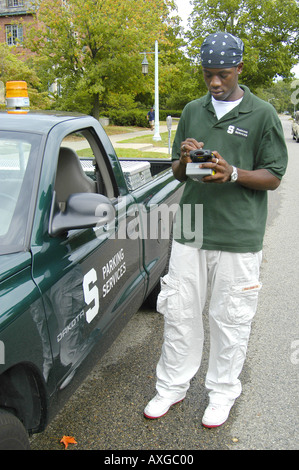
column 296, row 71
column 184, row 10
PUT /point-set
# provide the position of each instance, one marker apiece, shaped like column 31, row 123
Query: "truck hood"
column 13, row 263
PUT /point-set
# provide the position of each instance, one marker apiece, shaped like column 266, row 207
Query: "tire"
column 13, row 435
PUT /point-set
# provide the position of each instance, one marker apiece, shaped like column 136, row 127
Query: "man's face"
column 223, row 83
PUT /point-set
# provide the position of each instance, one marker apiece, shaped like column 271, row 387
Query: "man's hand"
column 222, row 169
column 179, row 166
column 186, row 147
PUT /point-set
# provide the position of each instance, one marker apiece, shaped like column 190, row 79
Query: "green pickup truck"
column 83, row 242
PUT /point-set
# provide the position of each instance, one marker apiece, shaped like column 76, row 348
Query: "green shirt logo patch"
column 237, row 131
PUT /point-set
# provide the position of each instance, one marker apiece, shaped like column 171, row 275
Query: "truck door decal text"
column 112, row 271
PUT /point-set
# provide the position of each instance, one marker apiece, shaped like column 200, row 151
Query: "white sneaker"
column 159, row 406
column 215, row 415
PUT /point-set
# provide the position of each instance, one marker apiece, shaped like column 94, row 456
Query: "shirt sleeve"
column 272, row 154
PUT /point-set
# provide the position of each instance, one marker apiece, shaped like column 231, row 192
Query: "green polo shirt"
column 249, row 137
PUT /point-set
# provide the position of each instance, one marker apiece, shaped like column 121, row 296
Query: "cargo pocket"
column 173, row 300
column 242, row 302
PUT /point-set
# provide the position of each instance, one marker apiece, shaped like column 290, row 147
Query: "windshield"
column 18, row 155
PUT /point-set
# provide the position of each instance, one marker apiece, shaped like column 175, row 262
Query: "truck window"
column 18, row 158
column 81, row 168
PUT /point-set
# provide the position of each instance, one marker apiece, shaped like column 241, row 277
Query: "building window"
column 15, row 3
column 13, row 34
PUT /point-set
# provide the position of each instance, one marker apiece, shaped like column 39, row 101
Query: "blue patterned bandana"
column 221, row 50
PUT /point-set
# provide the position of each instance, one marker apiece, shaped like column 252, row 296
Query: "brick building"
column 14, row 14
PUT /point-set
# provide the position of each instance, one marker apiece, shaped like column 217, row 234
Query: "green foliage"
column 13, row 68
column 93, row 47
column 136, row 117
column 279, row 95
column 124, row 117
column 268, row 28
column 163, row 113
column 120, row 101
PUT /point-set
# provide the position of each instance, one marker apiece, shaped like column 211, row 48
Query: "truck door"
column 91, row 280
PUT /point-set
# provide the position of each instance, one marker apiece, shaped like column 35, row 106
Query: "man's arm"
column 179, row 170
column 260, row 179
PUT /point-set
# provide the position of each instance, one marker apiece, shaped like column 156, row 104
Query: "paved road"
column 106, row 411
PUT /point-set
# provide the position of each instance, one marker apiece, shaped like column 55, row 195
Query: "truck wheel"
column 13, row 435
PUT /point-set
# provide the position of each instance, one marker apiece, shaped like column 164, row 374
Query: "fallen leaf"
column 66, row 440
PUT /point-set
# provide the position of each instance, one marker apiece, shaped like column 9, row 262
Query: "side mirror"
column 82, row 210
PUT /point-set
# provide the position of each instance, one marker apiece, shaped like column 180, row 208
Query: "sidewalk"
column 117, row 141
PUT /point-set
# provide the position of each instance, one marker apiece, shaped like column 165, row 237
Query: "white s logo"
column 231, row 129
column 91, row 294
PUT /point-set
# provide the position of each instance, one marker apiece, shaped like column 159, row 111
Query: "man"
column 151, row 118
column 249, row 158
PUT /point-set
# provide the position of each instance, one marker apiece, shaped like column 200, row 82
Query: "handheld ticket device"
column 199, row 156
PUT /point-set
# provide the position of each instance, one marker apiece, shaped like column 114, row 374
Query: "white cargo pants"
column 233, row 279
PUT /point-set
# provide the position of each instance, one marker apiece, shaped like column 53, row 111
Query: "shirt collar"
column 245, row 106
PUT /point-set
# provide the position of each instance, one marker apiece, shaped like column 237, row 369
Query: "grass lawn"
column 127, row 153
column 113, row 130
column 148, row 139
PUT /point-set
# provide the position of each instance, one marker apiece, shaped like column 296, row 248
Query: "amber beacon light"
column 17, row 100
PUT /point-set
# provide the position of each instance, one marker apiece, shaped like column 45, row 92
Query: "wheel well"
column 22, row 393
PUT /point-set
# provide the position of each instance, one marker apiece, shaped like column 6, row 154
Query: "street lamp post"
column 157, row 125
column 156, row 136
column 144, row 65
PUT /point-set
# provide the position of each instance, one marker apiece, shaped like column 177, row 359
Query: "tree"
column 14, row 68
column 279, row 95
column 268, row 28
column 93, row 47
